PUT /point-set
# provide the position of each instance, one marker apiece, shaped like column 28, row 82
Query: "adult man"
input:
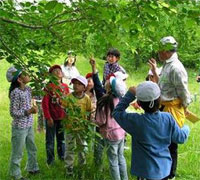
column 173, row 83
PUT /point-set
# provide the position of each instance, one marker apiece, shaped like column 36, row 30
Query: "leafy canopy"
column 32, row 34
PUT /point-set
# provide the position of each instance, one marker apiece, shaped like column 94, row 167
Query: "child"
column 54, row 114
column 22, row 131
column 112, row 66
column 152, row 132
column 112, row 133
column 83, row 101
column 91, row 93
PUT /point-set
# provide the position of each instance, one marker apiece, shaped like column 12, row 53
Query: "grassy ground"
column 189, row 153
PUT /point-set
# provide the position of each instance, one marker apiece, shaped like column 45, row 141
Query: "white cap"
column 12, row 74
column 148, row 91
column 169, row 40
column 118, row 86
column 81, row 79
column 120, row 75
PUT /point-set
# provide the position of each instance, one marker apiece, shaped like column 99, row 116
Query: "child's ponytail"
column 13, row 85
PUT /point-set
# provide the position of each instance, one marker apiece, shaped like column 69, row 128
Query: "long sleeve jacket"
column 51, row 103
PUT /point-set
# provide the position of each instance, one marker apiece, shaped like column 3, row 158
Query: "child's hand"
column 93, row 64
column 132, row 90
column 33, row 110
column 50, row 122
column 136, row 105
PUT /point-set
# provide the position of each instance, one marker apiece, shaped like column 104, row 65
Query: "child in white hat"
column 152, row 132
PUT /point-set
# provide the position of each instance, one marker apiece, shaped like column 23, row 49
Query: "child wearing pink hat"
column 82, row 100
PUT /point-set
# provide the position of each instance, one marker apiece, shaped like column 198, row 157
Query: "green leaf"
column 28, row 4
column 10, row 59
column 190, row 23
column 173, row 3
column 1, row 53
column 41, row 9
column 33, row 8
column 59, row 8
column 51, row 5
column 173, row 10
column 163, row 4
column 10, row 2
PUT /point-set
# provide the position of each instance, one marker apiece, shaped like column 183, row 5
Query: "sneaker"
column 126, row 148
column 69, row 172
column 34, row 172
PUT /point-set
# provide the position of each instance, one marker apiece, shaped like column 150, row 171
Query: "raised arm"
column 99, row 90
column 152, row 63
column 124, row 119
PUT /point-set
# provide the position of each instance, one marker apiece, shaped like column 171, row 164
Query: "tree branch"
column 9, row 50
column 66, row 21
column 20, row 60
column 21, row 24
column 39, row 27
column 63, row 13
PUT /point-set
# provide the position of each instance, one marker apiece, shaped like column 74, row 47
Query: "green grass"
column 189, row 153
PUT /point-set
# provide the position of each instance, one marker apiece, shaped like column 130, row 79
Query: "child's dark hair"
column 66, row 62
column 145, row 106
column 13, row 85
column 106, row 103
column 114, row 52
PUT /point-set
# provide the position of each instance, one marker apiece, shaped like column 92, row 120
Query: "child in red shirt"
column 54, row 113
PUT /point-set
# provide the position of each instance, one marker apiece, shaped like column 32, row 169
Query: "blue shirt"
column 152, row 133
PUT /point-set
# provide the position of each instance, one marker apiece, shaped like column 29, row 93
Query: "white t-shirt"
column 69, row 73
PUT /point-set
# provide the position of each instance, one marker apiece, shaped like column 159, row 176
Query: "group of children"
column 104, row 104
